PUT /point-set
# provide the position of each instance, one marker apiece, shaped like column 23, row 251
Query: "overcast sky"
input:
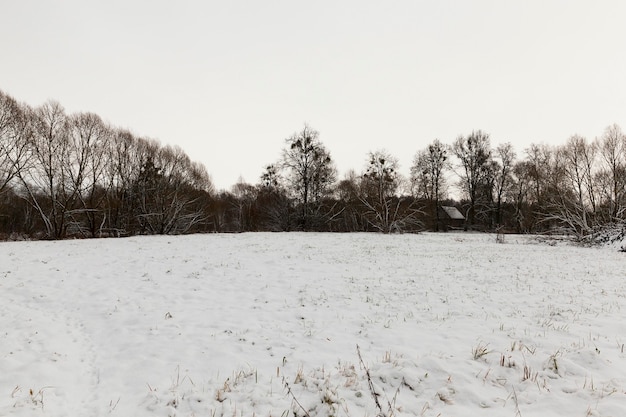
column 229, row 81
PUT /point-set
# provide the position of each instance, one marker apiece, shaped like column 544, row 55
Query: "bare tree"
column 612, row 149
column 474, row 154
column 46, row 181
column 123, row 164
column 348, row 194
column 521, row 184
column 385, row 210
column 15, row 132
column 428, row 175
column 310, row 172
column 270, row 178
column 80, row 176
column 577, row 155
column 570, row 196
column 245, row 196
column 86, row 165
column 540, row 159
column 165, row 192
column 275, row 207
column 503, row 176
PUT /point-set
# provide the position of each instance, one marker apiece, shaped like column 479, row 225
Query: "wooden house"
column 450, row 218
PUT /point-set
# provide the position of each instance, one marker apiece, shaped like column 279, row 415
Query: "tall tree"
column 244, row 197
column 122, row 169
column 503, row 175
column 539, row 157
column 274, row 204
column 15, row 132
column 612, row 150
column 46, row 181
column 310, row 172
column 520, row 190
column 166, row 192
column 348, row 194
column 88, row 141
column 474, row 154
column 428, row 175
column 572, row 201
column 385, row 210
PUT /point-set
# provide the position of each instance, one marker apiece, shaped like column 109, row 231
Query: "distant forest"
column 75, row 176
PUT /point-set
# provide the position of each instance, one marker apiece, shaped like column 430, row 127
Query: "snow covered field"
column 268, row 325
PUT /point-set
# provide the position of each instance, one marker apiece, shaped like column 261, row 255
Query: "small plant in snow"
column 299, row 377
column 528, row 374
column 507, row 361
column 294, row 398
column 35, row 398
column 373, row 392
column 480, row 350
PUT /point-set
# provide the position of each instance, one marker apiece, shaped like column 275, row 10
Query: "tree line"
column 73, row 175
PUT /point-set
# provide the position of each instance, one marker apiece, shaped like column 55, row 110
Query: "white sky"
column 228, row 81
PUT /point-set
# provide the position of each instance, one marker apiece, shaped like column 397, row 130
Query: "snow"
column 268, row 325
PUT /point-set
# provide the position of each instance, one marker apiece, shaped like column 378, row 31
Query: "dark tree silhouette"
column 310, row 173
column 428, row 176
column 474, row 154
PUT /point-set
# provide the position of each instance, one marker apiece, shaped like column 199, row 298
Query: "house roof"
column 453, row 213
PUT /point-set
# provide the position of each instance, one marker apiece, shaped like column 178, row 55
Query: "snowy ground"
column 268, row 325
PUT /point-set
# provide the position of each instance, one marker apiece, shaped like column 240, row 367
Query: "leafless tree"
column 474, row 154
column 166, row 198
column 503, row 176
column 15, row 132
column 348, row 194
column 275, row 207
column 270, row 178
column 46, row 181
column 123, row 163
column 88, row 139
column 245, row 196
column 577, row 155
column 520, row 190
column 570, row 194
column 310, row 172
column 428, row 175
column 539, row 157
column 385, row 210
column 612, row 150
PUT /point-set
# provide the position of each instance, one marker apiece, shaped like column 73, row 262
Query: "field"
column 312, row 324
